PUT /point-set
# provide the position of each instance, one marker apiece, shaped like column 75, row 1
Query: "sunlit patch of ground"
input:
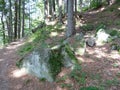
column 19, row 73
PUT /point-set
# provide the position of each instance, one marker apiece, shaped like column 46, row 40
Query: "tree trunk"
column 65, row 6
column 19, row 19
column 60, row 11
column 3, row 27
column 23, row 17
column 70, row 19
column 45, row 9
column 10, row 22
column 15, row 22
column 50, row 9
column 29, row 15
column 75, row 5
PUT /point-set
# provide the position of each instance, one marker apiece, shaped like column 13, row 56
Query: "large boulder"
column 47, row 62
column 77, row 43
column 102, row 37
column 37, row 63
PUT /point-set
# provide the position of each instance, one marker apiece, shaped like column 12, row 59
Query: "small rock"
column 114, row 47
column 90, row 42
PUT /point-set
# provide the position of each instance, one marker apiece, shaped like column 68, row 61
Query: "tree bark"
column 16, row 20
column 60, row 11
column 70, row 19
column 19, row 19
column 3, row 27
column 10, row 22
column 23, row 17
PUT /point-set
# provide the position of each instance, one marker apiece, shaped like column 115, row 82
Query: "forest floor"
column 100, row 65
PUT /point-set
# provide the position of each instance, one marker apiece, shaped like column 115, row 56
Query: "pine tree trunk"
column 15, row 22
column 65, row 6
column 19, row 19
column 45, row 9
column 60, row 11
column 23, row 17
column 70, row 19
column 3, row 27
column 75, row 5
column 10, row 22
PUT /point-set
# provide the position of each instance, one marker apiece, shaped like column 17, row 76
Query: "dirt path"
column 12, row 78
column 7, row 65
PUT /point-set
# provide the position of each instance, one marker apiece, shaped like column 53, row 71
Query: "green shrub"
column 94, row 4
column 55, row 62
column 87, row 27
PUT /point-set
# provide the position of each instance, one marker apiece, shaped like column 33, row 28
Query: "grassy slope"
column 109, row 17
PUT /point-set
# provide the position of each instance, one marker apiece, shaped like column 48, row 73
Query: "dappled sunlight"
column 1, row 60
column 115, row 55
column 118, row 8
column 97, row 11
column 15, row 45
column 115, row 69
column 53, row 34
column 51, row 22
column 80, row 59
column 61, row 34
column 19, row 73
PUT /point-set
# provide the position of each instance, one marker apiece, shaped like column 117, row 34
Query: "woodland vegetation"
column 80, row 37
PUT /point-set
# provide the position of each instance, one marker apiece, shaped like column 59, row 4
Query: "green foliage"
column 91, row 88
column 55, row 62
column 19, row 63
column 78, row 75
column 27, row 81
column 112, row 82
column 100, row 26
column 62, row 79
column 71, row 54
column 26, row 48
column 113, row 32
column 42, row 79
column 87, row 27
column 94, row 4
column 63, row 85
column 36, row 39
column 2, row 5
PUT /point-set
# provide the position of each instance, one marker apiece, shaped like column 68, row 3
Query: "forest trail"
column 8, row 58
column 101, row 66
column 12, row 78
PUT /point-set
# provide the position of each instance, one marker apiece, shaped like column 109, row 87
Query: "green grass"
column 91, row 88
column 78, row 75
column 61, row 79
column 109, row 83
column 66, row 85
column 87, row 27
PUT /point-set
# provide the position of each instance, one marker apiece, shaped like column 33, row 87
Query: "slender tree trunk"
column 50, row 9
column 53, row 9
column 75, row 5
column 19, row 19
column 8, row 29
column 80, row 5
column 45, row 9
column 23, row 17
column 3, row 28
column 65, row 6
column 15, row 22
column 70, row 19
column 60, row 11
column 10, row 22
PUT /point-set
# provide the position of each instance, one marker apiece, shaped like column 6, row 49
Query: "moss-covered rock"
column 47, row 62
